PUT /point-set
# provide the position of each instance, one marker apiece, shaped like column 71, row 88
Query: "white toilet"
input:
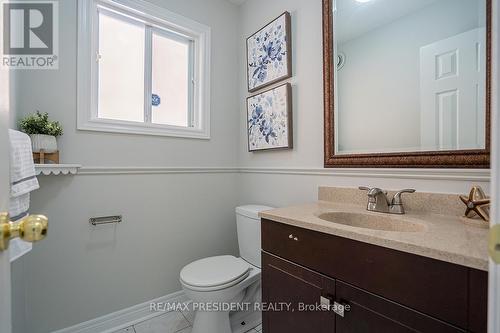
column 215, row 281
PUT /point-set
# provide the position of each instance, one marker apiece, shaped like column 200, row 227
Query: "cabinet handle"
column 290, row 236
column 325, row 302
column 295, row 239
column 339, row 309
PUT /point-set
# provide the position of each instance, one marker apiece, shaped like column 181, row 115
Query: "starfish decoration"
column 477, row 204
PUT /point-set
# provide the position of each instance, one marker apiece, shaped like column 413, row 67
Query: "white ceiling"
column 353, row 18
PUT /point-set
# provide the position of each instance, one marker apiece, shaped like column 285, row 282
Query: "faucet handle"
column 372, row 191
column 396, row 200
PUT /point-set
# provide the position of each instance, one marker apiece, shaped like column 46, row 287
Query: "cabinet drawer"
column 371, row 313
column 429, row 286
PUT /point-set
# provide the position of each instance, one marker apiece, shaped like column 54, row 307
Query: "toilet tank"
column 248, row 225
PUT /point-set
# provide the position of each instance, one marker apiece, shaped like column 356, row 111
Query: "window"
column 142, row 70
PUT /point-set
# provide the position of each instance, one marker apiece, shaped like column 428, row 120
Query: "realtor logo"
column 30, row 34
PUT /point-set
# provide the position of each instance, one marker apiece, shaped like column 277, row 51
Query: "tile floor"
column 171, row 322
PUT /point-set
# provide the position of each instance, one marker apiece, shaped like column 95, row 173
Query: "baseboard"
column 124, row 318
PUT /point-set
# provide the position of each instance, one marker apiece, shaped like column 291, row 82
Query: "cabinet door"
column 478, row 301
column 286, row 289
column 366, row 312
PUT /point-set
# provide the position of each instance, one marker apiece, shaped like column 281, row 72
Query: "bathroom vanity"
column 430, row 277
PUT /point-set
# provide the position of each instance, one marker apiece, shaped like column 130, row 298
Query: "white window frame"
column 159, row 20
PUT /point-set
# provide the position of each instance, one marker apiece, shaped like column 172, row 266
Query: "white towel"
column 23, row 181
column 19, row 206
column 22, row 168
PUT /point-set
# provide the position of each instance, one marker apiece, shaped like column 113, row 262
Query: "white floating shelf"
column 56, row 169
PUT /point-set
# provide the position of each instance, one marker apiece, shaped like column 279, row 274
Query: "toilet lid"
column 214, row 271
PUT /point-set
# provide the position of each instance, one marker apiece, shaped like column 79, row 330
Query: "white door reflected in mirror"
column 413, row 76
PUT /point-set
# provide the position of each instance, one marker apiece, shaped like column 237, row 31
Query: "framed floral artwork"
column 269, row 119
column 269, row 54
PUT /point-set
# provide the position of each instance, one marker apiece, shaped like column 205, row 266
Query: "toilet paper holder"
column 105, row 220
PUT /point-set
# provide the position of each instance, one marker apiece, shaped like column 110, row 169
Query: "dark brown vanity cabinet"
column 383, row 290
column 290, row 286
column 370, row 313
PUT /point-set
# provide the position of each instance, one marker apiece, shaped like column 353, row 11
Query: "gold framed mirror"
column 413, row 89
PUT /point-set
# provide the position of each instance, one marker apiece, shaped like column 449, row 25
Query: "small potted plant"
column 42, row 131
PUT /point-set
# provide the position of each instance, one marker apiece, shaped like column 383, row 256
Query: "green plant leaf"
column 39, row 123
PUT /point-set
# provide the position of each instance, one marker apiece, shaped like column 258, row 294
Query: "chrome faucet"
column 378, row 201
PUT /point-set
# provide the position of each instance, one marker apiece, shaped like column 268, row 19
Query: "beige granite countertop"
column 445, row 237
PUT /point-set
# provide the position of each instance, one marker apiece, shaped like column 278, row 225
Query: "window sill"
column 116, row 126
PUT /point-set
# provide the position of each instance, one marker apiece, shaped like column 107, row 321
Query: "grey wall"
column 54, row 91
column 80, row 272
column 284, row 188
column 307, row 81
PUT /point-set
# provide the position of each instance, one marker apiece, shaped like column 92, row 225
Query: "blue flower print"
column 267, row 54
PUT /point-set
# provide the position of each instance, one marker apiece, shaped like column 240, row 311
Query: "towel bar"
column 105, row 219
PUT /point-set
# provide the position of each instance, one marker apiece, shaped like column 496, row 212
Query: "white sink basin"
column 374, row 222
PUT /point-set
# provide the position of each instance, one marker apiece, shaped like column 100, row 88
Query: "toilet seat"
column 214, row 273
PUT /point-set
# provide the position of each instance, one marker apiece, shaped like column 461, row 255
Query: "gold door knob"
column 31, row 229
column 494, row 244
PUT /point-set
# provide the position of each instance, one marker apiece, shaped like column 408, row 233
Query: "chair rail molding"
column 479, row 175
column 111, row 170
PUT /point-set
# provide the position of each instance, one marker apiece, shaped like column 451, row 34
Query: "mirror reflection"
column 410, row 76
